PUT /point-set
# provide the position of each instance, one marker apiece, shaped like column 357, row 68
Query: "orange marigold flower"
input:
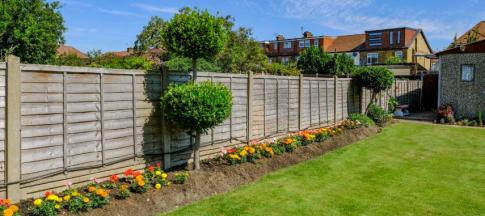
column 141, row 183
column 14, row 208
column 8, row 212
column 91, row 189
column 151, row 168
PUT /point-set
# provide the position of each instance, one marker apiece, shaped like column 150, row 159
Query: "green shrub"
column 376, row 79
column 363, row 119
column 378, row 115
column 280, row 69
column 197, row 107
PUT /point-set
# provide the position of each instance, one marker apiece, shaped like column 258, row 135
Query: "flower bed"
column 98, row 193
column 257, row 150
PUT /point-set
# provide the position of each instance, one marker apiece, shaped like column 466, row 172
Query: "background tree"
column 343, row 65
column 241, row 53
column 314, row 60
column 194, row 34
column 151, row 35
column 376, row 79
column 31, row 29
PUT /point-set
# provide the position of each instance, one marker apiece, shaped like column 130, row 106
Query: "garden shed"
column 462, row 79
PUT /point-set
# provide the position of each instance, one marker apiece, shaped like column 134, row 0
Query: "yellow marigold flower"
column 8, row 212
column 57, row 206
column 251, row 150
column 158, row 186
column 243, row 153
column 139, row 178
column 141, row 183
column 59, row 199
column 52, row 197
column 288, row 141
column 14, row 208
column 67, row 198
column 38, row 202
column 75, row 193
column 158, row 173
column 124, row 187
column 246, row 148
column 91, row 189
column 85, row 199
column 164, row 175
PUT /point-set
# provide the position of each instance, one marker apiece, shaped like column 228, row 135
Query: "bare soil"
column 215, row 177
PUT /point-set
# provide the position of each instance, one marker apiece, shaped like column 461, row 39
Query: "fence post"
column 12, row 116
column 249, row 116
column 167, row 161
column 335, row 78
column 300, row 100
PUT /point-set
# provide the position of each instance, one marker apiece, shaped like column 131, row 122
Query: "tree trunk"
column 194, row 70
column 372, row 99
column 196, row 151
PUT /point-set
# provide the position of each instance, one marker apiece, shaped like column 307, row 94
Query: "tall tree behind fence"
column 71, row 123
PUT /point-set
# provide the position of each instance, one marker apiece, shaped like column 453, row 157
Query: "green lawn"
column 408, row 169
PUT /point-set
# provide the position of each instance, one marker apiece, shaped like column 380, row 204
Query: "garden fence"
column 61, row 123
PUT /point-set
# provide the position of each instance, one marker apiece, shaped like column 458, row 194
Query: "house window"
column 375, row 41
column 398, row 54
column 398, row 37
column 391, row 37
column 301, row 43
column 288, row 45
column 315, row 43
column 307, row 43
column 275, row 45
column 375, row 34
column 372, row 58
column 467, row 72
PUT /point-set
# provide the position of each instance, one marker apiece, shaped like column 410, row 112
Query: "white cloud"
column 356, row 16
column 118, row 12
column 152, row 8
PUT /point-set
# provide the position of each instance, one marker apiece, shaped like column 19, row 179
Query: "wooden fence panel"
column 2, row 122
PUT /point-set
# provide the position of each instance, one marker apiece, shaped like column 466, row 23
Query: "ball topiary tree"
column 376, row 79
column 196, row 108
column 195, row 34
column 314, row 60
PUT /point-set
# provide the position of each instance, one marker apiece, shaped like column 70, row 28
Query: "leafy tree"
column 151, row 36
column 130, row 62
column 241, row 53
column 314, row 60
column 31, row 29
column 393, row 60
column 376, row 79
column 182, row 64
column 195, row 34
column 95, row 53
column 343, row 65
column 197, row 107
column 280, row 69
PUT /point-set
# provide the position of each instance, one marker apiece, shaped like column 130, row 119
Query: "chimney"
column 280, row 38
column 307, row 34
column 129, row 50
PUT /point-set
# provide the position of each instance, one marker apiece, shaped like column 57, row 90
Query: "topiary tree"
column 195, row 34
column 376, row 79
column 314, row 60
column 195, row 108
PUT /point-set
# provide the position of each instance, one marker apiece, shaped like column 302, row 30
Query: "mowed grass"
column 408, row 169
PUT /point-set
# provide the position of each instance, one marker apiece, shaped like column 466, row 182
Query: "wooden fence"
column 71, row 123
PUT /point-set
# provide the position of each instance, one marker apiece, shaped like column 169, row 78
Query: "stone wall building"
column 462, row 79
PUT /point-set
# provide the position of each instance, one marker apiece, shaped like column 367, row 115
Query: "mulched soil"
column 214, row 177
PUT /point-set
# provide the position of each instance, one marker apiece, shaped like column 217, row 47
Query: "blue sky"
column 112, row 25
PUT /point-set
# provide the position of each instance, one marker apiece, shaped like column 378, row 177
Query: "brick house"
column 406, row 43
column 373, row 47
column 462, row 79
column 286, row 50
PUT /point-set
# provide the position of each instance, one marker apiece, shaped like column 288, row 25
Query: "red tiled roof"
column 345, row 43
column 69, row 50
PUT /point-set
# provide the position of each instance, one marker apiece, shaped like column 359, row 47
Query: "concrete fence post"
column 249, row 115
column 12, row 116
column 300, row 101
column 166, row 140
column 335, row 79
